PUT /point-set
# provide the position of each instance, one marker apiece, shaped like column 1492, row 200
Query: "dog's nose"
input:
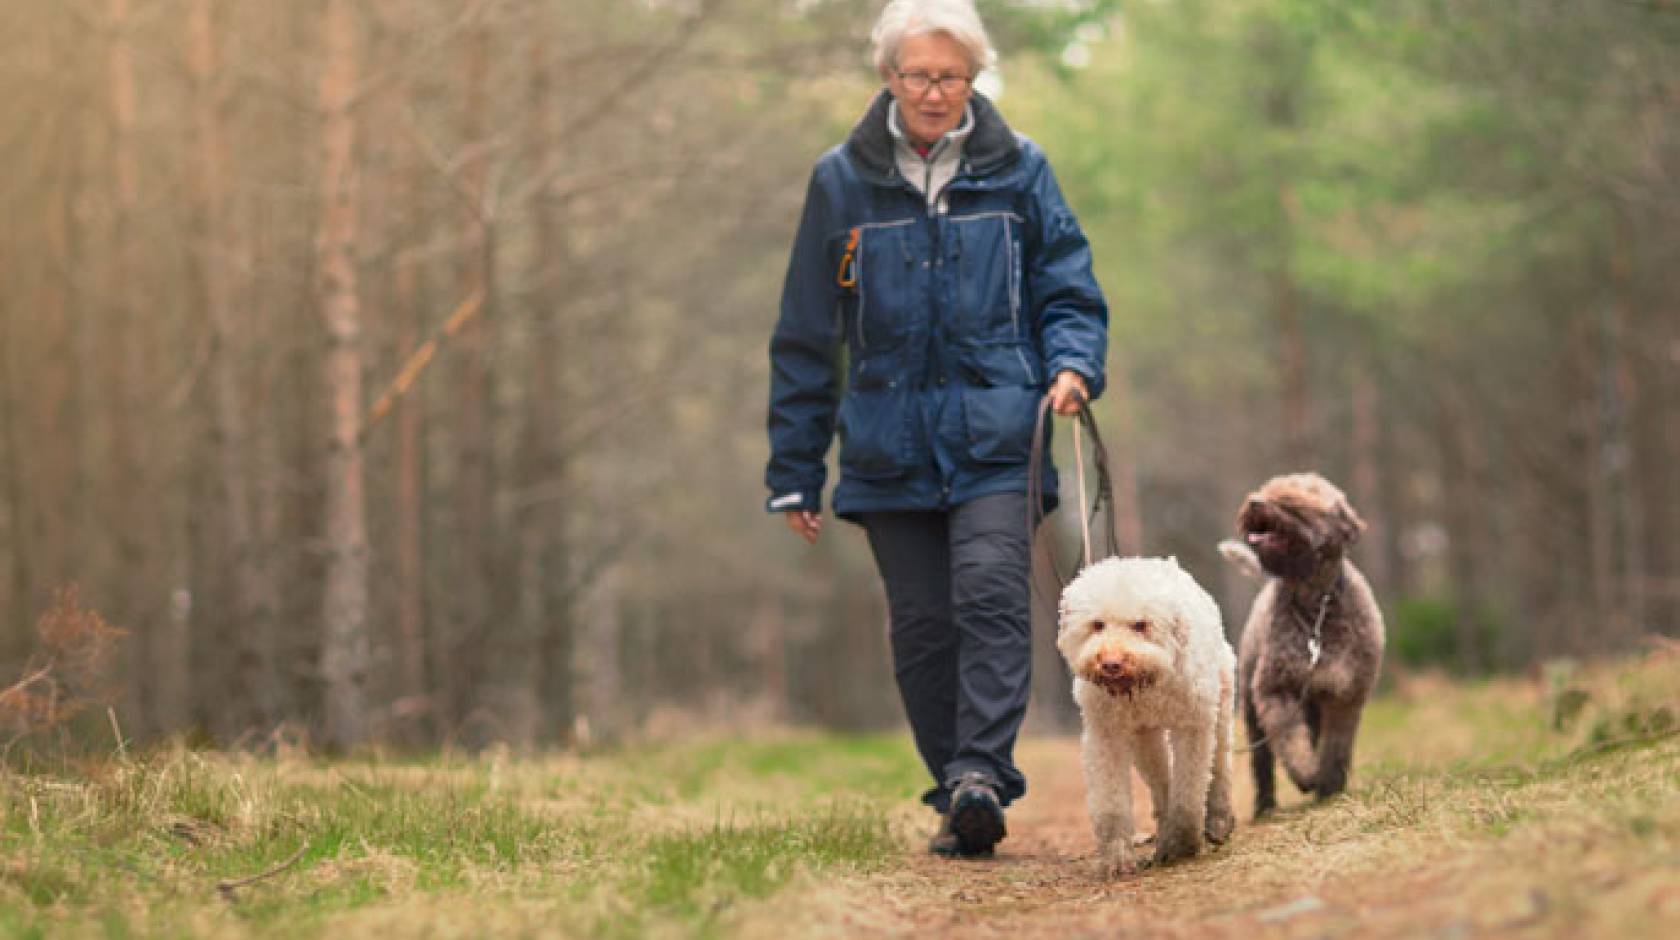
column 1112, row 667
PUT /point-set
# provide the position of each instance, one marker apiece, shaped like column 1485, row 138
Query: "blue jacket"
column 947, row 327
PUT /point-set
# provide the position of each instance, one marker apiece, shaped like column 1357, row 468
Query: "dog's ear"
column 1250, row 506
column 1347, row 522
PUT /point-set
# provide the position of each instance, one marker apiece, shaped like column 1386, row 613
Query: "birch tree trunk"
column 344, row 641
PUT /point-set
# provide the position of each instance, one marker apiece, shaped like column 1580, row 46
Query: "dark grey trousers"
column 958, row 591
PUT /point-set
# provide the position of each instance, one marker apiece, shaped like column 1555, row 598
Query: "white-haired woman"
column 936, row 247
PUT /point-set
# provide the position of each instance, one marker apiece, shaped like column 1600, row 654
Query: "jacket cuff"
column 1094, row 379
column 807, row 500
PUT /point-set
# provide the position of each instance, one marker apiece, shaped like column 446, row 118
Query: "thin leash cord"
column 1048, row 578
column 1079, row 466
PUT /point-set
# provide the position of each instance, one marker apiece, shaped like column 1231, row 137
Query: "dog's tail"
column 1242, row 556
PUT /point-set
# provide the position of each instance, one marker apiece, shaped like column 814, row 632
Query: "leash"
column 1079, row 466
column 1051, row 567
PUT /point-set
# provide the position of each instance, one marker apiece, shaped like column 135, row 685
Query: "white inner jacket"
column 931, row 173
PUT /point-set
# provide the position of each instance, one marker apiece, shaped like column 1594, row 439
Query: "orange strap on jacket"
column 848, row 262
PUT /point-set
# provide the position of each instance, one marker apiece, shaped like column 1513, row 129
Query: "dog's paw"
column 1176, row 845
column 1219, row 824
column 1111, row 867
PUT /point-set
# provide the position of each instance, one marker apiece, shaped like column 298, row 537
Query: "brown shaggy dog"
column 1313, row 644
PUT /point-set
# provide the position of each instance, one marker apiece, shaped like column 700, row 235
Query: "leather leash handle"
column 1079, row 474
column 1104, row 497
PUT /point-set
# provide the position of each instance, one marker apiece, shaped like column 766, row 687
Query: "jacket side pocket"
column 1000, row 423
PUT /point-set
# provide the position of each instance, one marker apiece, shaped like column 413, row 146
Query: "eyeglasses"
column 920, row 83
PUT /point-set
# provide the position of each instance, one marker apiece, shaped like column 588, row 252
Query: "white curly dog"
column 1152, row 676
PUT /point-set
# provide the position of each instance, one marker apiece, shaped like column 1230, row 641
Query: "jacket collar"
column 953, row 141
column 991, row 145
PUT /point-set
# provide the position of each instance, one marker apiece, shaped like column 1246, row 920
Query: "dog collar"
column 1315, row 632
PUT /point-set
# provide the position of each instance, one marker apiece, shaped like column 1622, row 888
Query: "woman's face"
column 934, row 109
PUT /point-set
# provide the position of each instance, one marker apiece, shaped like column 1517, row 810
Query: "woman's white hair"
column 903, row 19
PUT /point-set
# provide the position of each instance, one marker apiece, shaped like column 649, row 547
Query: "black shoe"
column 976, row 816
column 944, row 842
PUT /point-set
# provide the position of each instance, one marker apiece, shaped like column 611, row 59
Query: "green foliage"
column 1426, row 631
column 1024, row 28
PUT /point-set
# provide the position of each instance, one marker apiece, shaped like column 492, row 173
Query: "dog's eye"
column 1139, row 626
column 1097, row 626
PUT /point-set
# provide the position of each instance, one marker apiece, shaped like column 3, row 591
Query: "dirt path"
column 1044, row 879
column 1308, row 872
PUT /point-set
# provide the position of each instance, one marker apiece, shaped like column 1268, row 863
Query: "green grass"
column 711, row 836
column 623, row 844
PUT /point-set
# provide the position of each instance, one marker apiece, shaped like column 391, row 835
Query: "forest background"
column 395, row 370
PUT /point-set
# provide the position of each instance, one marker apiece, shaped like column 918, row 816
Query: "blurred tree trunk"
column 545, row 581
column 1291, row 339
column 1237, row 473
column 769, row 632
column 1626, row 450
column 604, row 700
column 344, row 643
column 410, row 483
column 249, row 630
column 45, row 364
column 1461, row 476
column 1368, row 484
column 404, row 213
column 1595, row 476
column 1122, row 454
column 13, row 637
column 128, row 519
column 473, row 646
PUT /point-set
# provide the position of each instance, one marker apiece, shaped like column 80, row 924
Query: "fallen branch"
column 228, row 886
column 418, row 362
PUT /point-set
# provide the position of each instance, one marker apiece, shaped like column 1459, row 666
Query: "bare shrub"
column 68, row 672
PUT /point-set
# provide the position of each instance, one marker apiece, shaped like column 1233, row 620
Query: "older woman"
column 936, row 248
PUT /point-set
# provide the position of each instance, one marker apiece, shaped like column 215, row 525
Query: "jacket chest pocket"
column 985, row 251
column 883, row 277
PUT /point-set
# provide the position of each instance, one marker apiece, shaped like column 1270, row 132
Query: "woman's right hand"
column 807, row 524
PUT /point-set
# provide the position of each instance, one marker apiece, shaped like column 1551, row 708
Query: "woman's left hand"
column 1067, row 393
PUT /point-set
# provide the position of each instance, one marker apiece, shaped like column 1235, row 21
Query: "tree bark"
column 1291, row 339
column 344, row 643
column 545, row 590
column 130, row 521
column 251, row 627
column 1461, row 472
column 12, row 651
column 1367, row 482
column 1128, row 521
column 472, row 651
